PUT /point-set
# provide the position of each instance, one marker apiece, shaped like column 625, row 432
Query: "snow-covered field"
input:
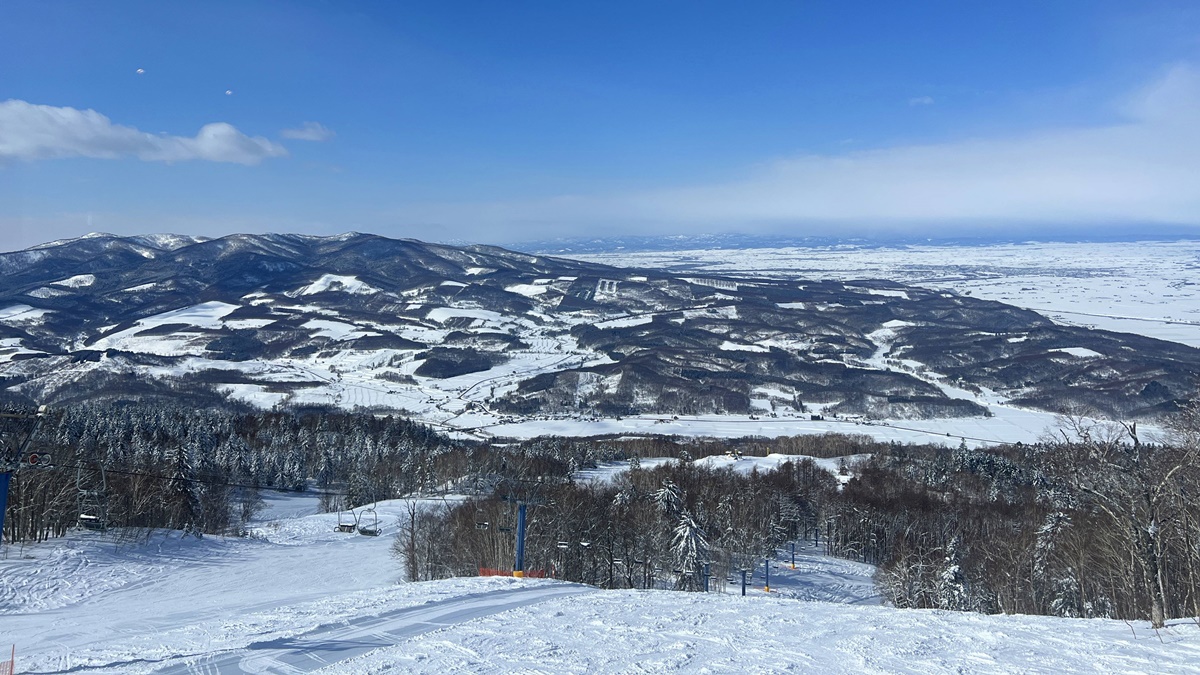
column 1149, row 288
column 301, row 597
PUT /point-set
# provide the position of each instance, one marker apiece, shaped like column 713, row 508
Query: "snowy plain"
column 1149, row 288
column 300, row 597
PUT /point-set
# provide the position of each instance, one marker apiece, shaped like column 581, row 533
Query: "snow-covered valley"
column 486, row 343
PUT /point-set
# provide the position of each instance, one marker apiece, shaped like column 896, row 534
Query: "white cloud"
column 32, row 132
column 1142, row 169
column 309, row 131
column 921, row 100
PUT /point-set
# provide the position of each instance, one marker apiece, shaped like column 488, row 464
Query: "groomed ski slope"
column 301, row 597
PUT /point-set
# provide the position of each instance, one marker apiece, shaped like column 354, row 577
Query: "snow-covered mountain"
column 476, row 336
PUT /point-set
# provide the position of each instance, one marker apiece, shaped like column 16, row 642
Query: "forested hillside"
column 1099, row 523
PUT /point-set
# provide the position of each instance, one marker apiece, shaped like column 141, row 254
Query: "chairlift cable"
column 205, row 481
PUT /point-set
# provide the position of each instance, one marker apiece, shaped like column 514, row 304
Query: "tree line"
column 1092, row 522
column 1096, row 521
column 162, row 465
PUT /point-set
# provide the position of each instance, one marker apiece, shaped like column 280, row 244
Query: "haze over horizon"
column 511, row 124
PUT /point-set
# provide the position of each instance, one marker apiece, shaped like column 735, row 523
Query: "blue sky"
column 506, row 122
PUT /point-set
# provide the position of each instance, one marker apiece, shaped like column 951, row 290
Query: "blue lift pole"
column 519, row 567
column 3, row 499
column 9, row 462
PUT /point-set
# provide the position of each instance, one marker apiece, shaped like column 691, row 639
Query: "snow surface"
column 1082, row 352
column 739, row 347
column 47, row 292
column 301, row 597
column 1006, row 425
column 335, row 282
column 77, row 281
column 528, row 290
column 22, row 314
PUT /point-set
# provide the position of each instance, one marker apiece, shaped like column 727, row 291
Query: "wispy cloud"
column 34, row 132
column 309, row 131
column 1142, row 169
column 921, row 100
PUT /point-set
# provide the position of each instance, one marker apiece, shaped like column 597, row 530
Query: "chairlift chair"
column 91, row 497
column 345, row 525
column 371, row 530
column 89, row 521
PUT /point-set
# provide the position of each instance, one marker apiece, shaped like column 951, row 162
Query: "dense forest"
column 1095, row 522
column 163, row 465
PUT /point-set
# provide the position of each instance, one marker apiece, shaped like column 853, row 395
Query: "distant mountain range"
column 462, row 335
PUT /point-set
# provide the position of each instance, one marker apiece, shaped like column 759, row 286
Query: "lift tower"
column 16, row 431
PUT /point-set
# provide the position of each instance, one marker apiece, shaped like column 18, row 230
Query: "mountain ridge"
column 464, row 335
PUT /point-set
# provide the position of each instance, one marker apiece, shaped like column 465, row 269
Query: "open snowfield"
column 1008, row 424
column 1149, row 288
column 301, row 597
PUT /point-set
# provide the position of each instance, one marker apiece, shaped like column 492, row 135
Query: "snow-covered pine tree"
column 183, row 492
column 690, row 550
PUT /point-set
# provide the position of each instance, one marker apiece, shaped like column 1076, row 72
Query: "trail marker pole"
column 767, row 575
column 793, row 555
column 743, row 583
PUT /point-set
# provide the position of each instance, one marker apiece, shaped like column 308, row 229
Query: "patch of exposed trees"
column 1097, row 523
column 670, row 526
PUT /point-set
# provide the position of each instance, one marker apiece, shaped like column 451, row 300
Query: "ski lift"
column 564, row 544
column 91, row 494
column 371, row 530
column 347, row 521
column 481, row 521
